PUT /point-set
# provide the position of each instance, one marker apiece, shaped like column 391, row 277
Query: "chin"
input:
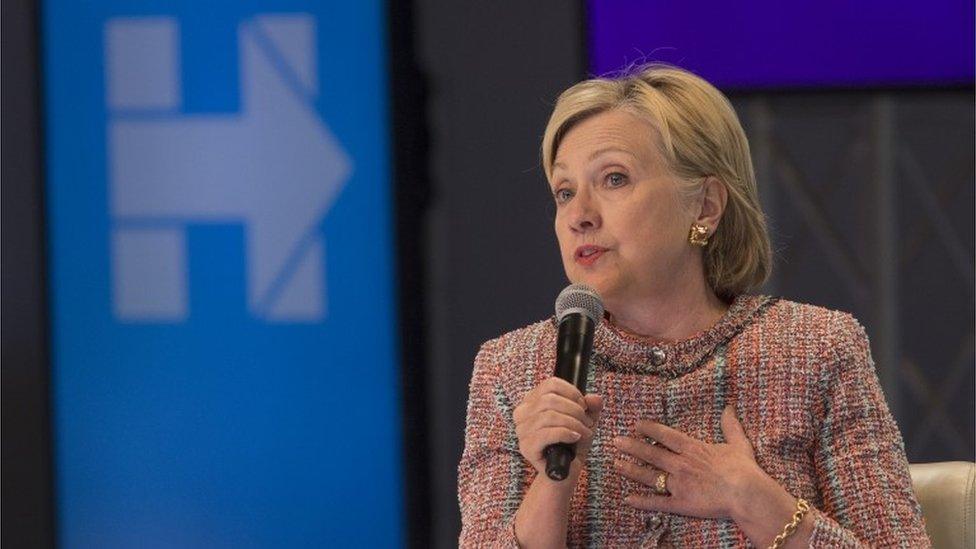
column 604, row 286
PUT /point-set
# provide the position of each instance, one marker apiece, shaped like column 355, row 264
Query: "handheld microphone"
column 578, row 311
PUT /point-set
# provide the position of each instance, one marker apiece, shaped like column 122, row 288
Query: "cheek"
column 560, row 237
column 563, row 240
column 649, row 233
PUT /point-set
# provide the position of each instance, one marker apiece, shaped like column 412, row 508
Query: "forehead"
column 615, row 129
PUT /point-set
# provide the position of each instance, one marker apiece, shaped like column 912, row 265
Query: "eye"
column 563, row 195
column 616, row 179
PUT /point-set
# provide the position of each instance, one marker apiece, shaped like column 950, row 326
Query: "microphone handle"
column 573, row 349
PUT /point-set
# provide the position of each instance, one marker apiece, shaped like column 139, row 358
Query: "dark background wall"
column 493, row 74
column 870, row 197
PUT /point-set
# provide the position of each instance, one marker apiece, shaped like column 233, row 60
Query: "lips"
column 587, row 255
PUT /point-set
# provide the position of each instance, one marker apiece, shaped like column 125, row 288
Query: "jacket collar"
column 617, row 350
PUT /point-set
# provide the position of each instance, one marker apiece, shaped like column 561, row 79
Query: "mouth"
column 587, row 255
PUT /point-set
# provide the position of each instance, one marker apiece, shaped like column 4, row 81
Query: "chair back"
column 947, row 494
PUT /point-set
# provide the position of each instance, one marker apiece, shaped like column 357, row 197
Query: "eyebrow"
column 597, row 153
column 611, row 149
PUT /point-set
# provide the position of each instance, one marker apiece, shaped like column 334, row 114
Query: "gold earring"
column 698, row 235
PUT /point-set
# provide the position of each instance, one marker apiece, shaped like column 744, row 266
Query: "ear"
column 715, row 195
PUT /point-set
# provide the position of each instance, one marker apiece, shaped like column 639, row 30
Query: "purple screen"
column 776, row 43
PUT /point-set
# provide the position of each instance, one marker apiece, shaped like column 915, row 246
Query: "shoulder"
column 810, row 322
column 517, row 360
column 812, row 318
column 810, row 331
column 519, row 342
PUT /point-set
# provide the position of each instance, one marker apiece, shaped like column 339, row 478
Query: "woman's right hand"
column 555, row 411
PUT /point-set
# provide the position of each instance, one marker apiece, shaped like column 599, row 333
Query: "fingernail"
column 577, row 436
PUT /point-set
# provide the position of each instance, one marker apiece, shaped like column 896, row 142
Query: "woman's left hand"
column 704, row 480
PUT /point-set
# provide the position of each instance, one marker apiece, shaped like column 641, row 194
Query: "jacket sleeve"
column 492, row 476
column 861, row 469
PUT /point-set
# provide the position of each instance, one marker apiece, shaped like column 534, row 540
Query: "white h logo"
column 275, row 167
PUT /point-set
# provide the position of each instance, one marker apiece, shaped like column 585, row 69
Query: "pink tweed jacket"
column 805, row 389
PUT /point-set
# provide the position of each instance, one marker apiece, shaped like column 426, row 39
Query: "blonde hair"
column 699, row 135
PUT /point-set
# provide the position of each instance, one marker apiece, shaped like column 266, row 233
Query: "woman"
column 712, row 417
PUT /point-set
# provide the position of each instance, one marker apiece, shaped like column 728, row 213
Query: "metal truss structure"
column 870, row 198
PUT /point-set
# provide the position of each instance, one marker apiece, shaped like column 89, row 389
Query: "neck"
column 672, row 315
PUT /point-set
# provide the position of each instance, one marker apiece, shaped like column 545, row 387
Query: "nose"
column 584, row 214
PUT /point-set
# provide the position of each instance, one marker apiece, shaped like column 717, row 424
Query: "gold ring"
column 661, row 485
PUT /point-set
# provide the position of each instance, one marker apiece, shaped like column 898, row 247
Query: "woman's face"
column 621, row 221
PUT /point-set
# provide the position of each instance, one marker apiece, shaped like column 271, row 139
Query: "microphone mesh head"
column 579, row 298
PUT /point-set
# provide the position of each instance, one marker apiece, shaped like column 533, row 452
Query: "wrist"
column 543, row 516
column 762, row 512
column 743, row 499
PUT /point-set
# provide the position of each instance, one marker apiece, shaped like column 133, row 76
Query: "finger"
column 551, row 419
column 644, row 475
column 519, row 412
column 654, row 455
column 552, row 435
column 733, row 431
column 594, row 406
column 563, row 388
column 652, row 503
column 675, row 440
column 530, row 407
column 561, row 404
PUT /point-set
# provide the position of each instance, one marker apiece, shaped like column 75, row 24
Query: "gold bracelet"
column 801, row 509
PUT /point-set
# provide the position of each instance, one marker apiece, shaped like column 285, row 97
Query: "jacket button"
column 658, row 356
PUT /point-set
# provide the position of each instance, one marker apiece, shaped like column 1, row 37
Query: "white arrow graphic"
column 275, row 167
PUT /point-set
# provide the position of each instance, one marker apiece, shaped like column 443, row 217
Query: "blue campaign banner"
column 221, row 270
